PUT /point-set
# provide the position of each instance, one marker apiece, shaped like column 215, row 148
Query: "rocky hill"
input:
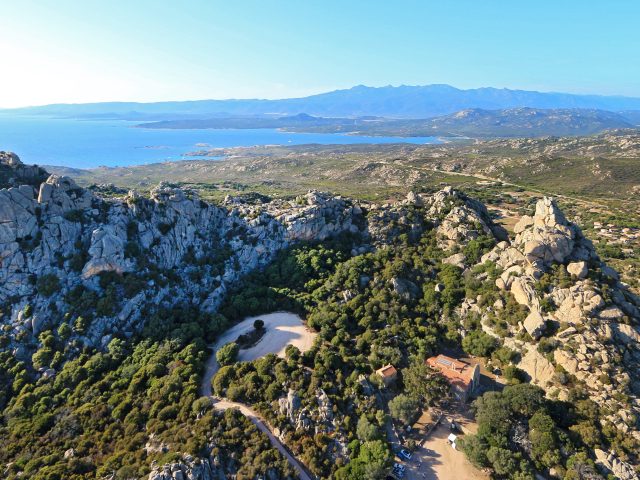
column 107, row 266
column 58, row 240
column 527, row 122
column 583, row 328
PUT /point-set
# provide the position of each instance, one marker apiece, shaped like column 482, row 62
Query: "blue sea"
column 93, row 143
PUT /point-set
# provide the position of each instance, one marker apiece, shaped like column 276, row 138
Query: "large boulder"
column 524, row 293
column 578, row 269
column 534, row 324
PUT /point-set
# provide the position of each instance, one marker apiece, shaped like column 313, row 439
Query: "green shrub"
column 227, row 354
column 48, row 284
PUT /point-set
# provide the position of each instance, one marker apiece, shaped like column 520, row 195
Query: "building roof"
column 459, row 373
column 388, row 371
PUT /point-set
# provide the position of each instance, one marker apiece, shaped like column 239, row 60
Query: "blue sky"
column 142, row 50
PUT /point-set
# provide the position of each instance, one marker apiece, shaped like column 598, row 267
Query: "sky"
column 72, row 51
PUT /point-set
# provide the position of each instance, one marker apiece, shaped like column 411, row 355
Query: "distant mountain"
column 527, row 122
column 400, row 102
column 515, row 122
column 632, row 116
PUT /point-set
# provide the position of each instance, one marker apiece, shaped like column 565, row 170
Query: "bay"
column 92, row 143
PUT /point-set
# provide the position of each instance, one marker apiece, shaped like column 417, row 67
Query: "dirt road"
column 283, row 329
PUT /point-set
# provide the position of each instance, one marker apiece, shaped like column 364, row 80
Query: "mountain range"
column 390, row 101
column 474, row 122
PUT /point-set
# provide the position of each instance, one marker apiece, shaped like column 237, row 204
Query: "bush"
column 479, row 344
column 74, row 216
column 227, row 354
column 164, row 228
column 48, row 284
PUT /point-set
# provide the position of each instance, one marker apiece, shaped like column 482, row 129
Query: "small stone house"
column 388, row 373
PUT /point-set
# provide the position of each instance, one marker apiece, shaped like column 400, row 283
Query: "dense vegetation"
column 117, row 411
column 521, row 432
column 364, row 322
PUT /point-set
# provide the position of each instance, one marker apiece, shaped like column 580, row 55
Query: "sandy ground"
column 283, row 328
column 437, row 460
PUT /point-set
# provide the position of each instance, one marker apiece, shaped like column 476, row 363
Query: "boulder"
column 534, row 324
column 524, row 293
column 405, row 288
column 457, row 259
column 566, row 361
column 537, row 367
column 578, row 269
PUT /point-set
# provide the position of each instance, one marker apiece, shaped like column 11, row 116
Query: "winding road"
column 211, row 368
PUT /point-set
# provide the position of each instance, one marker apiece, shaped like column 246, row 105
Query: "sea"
column 86, row 144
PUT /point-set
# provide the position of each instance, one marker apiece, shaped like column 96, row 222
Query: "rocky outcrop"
column 188, row 469
column 597, row 344
column 50, row 226
column 460, row 219
column 613, row 465
column 547, row 238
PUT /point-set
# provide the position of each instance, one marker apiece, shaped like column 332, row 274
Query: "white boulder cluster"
column 597, row 335
column 188, row 469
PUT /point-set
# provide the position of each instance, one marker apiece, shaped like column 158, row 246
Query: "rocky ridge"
column 69, row 236
column 181, row 249
column 57, row 241
column 592, row 321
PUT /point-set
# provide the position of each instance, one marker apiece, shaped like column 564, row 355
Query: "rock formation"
column 596, row 318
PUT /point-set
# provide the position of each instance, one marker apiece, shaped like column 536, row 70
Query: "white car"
column 405, row 454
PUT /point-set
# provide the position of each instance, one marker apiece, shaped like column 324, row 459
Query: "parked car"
column 398, row 470
column 405, row 454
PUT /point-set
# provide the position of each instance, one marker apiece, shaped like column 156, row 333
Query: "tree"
column 366, row 430
column 227, row 354
column 404, row 408
column 292, row 353
column 542, row 433
column 48, row 284
column 81, row 325
column 258, row 324
column 475, row 449
column 502, row 460
column 370, row 460
column 479, row 343
column 422, row 382
column 64, row 331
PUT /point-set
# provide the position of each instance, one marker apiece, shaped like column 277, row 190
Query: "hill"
column 402, row 101
column 519, row 122
column 109, row 304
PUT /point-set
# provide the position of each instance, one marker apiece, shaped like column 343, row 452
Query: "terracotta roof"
column 459, row 374
column 387, row 371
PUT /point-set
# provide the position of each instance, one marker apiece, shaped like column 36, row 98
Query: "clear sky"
column 148, row 50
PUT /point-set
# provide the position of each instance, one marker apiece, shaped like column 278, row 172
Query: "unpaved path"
column 435, row 459
column 262, row 425
column 283, row 329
